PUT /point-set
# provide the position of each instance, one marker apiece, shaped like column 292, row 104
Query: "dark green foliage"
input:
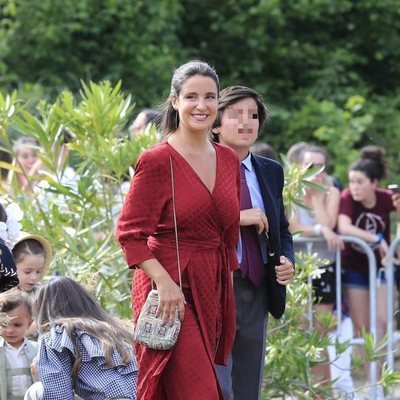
column 58, row 43
column 291, row 51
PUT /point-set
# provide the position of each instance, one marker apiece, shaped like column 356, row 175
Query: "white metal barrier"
column 308, row 242
column 390, row 305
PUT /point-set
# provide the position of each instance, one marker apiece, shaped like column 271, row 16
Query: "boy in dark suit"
column 265, row 248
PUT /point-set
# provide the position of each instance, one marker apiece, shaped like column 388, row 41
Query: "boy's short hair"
column 232, row 95
column 13, row 298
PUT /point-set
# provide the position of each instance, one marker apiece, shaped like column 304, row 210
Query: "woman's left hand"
column 171, row 300
column 333, row 241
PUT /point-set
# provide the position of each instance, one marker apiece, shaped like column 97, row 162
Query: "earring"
column 176, row 119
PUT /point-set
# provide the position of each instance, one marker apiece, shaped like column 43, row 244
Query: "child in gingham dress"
column 82, row 351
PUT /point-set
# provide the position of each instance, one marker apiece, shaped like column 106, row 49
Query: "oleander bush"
column 78, row 215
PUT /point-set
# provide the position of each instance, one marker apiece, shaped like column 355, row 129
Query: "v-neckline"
column 211, row 192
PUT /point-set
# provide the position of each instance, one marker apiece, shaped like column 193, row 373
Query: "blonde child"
column 16, row 352
column 82, row 351
column 25, row 150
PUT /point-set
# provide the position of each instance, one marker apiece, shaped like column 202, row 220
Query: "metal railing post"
column 390, row 299
column 372, row 301
column 372, row 291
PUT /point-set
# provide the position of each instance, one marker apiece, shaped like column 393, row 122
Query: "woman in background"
column 365, row 213
column 320, row 220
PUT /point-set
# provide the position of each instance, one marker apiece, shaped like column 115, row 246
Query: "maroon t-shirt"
column 375, row 220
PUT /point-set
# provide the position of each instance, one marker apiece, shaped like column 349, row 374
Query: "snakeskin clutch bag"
column 151, row 331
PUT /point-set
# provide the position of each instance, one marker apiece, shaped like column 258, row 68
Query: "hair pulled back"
column 372, row 163
column 170, row 120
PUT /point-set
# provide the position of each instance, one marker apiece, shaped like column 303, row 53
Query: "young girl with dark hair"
column 365, row 213
column 82, row 350
column 32, row 255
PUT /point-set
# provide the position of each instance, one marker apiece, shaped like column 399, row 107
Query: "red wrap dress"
column 208, row 229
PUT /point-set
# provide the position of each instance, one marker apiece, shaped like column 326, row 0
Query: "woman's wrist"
column 379, row 238
column 317, row 228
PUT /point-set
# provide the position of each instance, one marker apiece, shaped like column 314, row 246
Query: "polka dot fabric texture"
column 208, row 228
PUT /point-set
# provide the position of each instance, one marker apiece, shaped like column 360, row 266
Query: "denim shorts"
column 359, row 280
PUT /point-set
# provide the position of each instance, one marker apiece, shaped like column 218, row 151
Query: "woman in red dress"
column 206, row 180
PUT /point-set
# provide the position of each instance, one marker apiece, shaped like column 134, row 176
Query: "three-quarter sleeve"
column 143, row 207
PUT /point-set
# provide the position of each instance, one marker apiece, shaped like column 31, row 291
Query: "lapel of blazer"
column 3, row 378
column 262, row 172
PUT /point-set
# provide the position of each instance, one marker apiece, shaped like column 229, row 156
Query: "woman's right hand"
column 333, row 241
column 171, row 300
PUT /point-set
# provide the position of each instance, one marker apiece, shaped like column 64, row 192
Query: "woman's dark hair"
column 170, row 120
column 232, row 95
column 27, row 247
column 62, row 301
column 372, row 162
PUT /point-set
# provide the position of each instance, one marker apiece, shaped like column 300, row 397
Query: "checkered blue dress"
column 95, row 380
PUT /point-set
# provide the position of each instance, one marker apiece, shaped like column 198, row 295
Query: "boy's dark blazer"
column 271, row 179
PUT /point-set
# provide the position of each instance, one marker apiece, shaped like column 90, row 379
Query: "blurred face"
column 14, row 333
column 239, row 125
column 197, row 103
column 139, row 124
column 26, row 157
column 362, row 189
column 29, row 271
column 316, row 160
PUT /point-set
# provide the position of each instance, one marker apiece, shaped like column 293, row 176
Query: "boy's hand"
column 254, row 216
column 285, row 271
